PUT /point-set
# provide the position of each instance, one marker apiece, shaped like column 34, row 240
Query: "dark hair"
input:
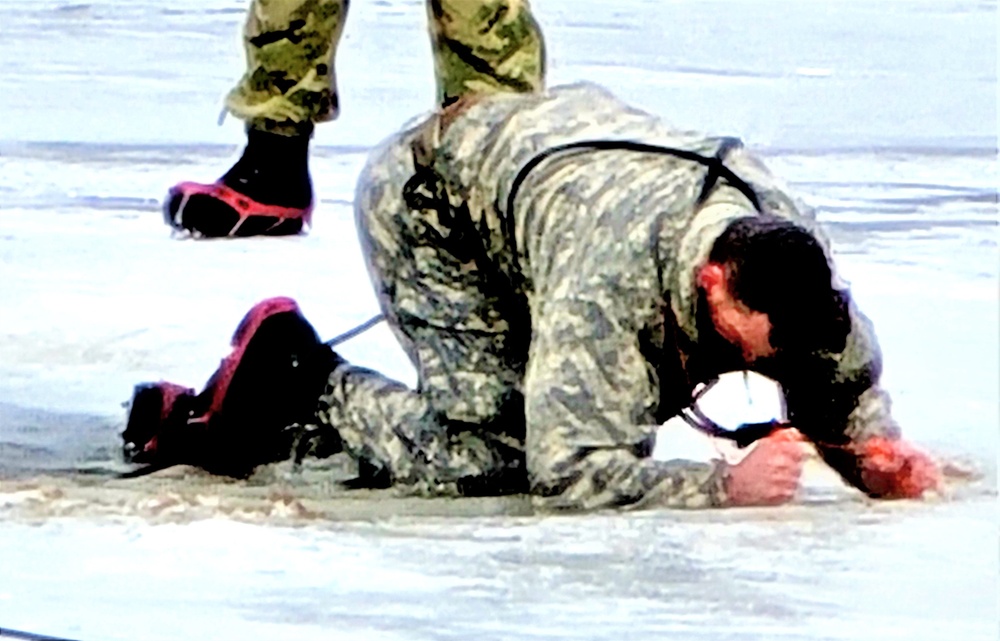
column 778, row 268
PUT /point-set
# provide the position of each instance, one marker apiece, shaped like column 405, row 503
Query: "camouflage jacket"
column 597, row 248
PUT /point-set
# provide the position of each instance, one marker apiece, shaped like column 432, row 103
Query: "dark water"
column 882, row 115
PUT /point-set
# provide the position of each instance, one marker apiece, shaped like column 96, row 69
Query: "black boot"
column 267, row 192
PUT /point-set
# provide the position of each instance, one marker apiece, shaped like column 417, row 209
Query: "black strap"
column 360, row 329
column 715, row 164
column 744, row 435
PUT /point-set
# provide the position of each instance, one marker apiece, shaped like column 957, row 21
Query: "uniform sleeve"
column 589, row 400
column 839, row 403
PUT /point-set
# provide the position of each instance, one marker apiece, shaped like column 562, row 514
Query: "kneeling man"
column 563, row 271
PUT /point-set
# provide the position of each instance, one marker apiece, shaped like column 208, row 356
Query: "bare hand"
column 770, row 473
column 892, row 468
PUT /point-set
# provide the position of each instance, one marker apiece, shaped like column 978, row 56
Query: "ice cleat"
column 217, row 211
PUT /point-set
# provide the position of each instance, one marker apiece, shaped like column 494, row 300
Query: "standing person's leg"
column 290, row 81
column 289, row 85
column 485, row 46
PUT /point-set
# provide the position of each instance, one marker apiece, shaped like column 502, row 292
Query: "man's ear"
column 711, row 276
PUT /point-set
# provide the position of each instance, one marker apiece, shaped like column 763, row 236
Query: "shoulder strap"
column 715, row 164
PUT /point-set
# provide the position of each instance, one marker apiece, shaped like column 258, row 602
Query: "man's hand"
column 770, row 473
column 894, row 469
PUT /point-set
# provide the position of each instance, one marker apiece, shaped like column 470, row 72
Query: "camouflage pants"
column 290, row 83
column 461, row 432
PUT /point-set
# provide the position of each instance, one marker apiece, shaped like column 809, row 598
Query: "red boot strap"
column 240, row 203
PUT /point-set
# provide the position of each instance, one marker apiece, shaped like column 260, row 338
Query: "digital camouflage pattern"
column 551, row 337
column 290, row 83
column 572, row 318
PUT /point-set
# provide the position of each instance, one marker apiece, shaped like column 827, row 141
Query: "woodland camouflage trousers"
column 479, row 46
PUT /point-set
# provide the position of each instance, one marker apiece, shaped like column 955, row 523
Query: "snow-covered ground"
column 884, row 115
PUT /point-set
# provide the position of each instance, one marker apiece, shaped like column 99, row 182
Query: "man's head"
column 768, row 285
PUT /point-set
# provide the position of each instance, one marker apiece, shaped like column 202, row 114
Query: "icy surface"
column 883, row 115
